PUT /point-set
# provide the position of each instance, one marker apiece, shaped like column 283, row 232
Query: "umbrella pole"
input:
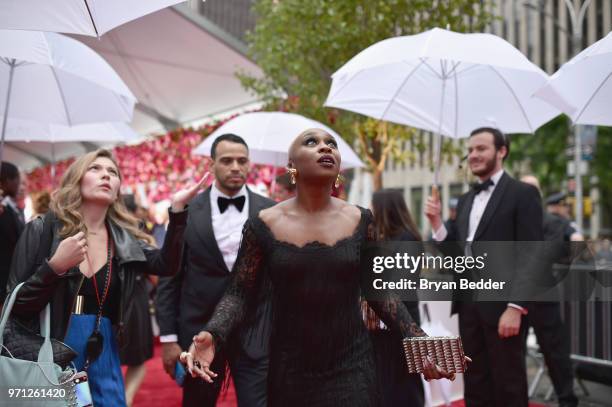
column 273, row 184
column 435, row 192
column 93, row 22
column 53, row 164
column 11, row 64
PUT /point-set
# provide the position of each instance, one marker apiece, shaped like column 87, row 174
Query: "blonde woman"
column 97, row 253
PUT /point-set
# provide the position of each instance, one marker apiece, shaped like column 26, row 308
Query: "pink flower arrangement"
column 162, row 165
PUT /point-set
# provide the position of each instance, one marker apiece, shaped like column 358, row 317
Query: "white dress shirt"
column 480, row 204
column 8, row 201
column 227, row 226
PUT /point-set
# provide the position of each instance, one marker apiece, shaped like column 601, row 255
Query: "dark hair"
column 8, row 171
column 391, row 215
column 130, row 203
column 232, row 138
column 285, row 181
column 499, row 139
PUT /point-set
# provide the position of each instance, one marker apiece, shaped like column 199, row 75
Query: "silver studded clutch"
column 446, row 352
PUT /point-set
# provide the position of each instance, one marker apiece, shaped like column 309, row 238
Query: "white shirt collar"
column 495, row 177
column 11, row 202
column 215, row 193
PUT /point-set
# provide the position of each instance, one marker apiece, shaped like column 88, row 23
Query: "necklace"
column 108, row 276
column 95, row 342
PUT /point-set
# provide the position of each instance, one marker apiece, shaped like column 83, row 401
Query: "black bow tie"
column 238, row 202
column 478, row 187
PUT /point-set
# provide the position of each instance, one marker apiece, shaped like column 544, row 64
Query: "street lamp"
column 577, row 12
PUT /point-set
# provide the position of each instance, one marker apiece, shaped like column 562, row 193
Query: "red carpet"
column 461, row 404
column 159, row 390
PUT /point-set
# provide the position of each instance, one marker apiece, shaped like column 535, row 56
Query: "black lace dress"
column 321, row 353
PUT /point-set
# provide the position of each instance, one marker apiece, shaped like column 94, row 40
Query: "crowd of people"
column 268, row 290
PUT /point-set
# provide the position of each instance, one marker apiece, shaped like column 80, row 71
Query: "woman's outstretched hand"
column 181, row 198
column 431, row 371
column 200, row 356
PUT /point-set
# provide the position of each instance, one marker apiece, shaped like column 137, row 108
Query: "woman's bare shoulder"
column 274, row 213
column 350, row 211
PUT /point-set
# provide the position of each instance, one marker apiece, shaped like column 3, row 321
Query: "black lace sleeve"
column 230, row 310
column 391, row 310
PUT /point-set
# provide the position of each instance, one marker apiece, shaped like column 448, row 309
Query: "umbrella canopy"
column 52, row 79
column 87, row 17
column 29, row 131
column 446, row 82
column 162, row 55
column 270, row 134
column 582, row 88
column 31, row 144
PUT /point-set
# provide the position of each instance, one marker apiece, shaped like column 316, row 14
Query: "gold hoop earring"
column 293, row 175
column 339, row 181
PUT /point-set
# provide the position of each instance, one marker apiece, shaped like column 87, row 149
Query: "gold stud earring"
column 293, row 175
column 339, row 181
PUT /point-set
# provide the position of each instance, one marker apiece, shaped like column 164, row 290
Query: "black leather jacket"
column 43, row 285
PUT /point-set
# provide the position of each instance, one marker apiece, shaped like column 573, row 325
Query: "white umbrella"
column 269, row 135
column 28, row 131
column 21, row 134
column 52, row 79
column 445, row 82
column 582, row 88
column 54, row 142
column 87, row 17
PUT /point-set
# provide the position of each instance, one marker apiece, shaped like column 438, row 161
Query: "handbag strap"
column 6, row 311
column 46, row 239
column 46, row 351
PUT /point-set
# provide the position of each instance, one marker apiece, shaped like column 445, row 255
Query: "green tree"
column 601, row 168
column 299, row 44
column 542, row 154
column 545, row 155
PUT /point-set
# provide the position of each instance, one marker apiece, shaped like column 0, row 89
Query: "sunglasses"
column 94, row 347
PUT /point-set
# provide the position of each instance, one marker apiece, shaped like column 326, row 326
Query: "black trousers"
column 553, row 339
column 497, row 376
column 250, row 380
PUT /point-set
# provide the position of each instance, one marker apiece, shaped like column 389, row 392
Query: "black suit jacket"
column 186, row 301
column 513, row 213
column 11, row 227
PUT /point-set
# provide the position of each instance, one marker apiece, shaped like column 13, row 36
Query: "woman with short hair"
column 306, row 249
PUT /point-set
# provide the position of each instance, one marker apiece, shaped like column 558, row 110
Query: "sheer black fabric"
column 321, row 354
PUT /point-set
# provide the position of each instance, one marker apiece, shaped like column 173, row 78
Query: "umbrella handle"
column 435, row 193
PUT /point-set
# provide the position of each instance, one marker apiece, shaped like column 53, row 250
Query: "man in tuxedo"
column 12, row 220
column 497, row 208
column 545, row 317
column 186, row 301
